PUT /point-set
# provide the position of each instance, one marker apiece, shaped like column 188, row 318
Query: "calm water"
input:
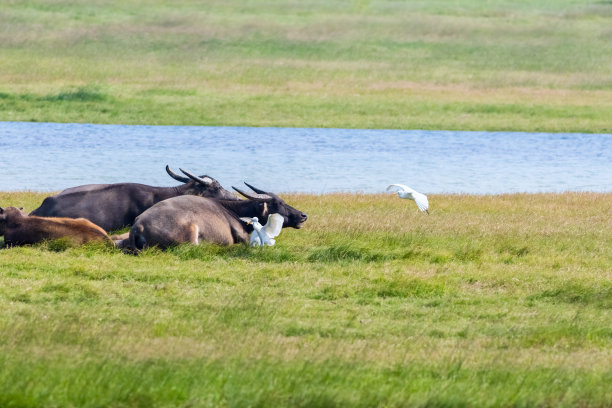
column 50, row 156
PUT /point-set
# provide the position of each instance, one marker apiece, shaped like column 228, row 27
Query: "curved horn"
column 254, row 197
column 176, row 176
column 196, row 178
column 257, row 190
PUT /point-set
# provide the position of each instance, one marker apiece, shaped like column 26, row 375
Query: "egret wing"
column 399, row 187
column 421, row 201
column 274, row 225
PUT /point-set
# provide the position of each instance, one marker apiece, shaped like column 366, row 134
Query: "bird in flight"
column 264, row 234
column 403, row 191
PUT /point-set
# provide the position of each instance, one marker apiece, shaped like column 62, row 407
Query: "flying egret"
column 265, row 234
column 406, row 192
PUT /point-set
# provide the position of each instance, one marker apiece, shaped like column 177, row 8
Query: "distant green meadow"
column 489, row 301
column 538, row 65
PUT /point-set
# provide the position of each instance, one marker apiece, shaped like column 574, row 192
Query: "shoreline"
column 459, row 130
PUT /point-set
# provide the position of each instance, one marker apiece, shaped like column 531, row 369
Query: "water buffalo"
column 195, row 219
column 19, row 228
column 113, row 206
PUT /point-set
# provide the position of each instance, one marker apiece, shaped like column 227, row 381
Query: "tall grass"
column 489, row 301
column 535, row 66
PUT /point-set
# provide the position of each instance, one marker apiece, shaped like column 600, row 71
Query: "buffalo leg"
column 195, row 234
column 120, row 237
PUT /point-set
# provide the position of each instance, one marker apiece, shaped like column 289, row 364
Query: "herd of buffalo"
column 199, row 209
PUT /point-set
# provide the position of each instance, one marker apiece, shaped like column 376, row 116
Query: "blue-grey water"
column 54, row 156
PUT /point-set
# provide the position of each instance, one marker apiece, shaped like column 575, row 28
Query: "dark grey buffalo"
column 113, row 206
column 196, row 219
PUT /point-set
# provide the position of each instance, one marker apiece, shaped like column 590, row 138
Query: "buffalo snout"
column 298, row 219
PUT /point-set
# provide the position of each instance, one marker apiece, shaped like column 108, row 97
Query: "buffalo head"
column 274, row 204
column 203, row 186
column 6, row 214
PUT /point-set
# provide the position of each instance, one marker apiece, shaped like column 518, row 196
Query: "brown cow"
column 19, row 228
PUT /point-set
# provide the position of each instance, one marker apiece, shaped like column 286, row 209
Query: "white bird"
column 264, row 234
column 406, row 192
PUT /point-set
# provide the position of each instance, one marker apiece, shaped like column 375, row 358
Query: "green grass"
column 489, row 301
column 471, row 65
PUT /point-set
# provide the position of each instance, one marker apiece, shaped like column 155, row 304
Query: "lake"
column 54, row 156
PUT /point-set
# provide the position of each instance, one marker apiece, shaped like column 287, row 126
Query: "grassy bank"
column 489, row 301
column 536, row 66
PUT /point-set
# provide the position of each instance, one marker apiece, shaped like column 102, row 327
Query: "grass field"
column 489, row 301
column 540, row 65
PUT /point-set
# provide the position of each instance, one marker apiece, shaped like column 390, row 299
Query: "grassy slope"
column 489, row 301
column 537, row 66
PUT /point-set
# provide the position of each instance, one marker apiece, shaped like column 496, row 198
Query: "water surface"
column 54, row 156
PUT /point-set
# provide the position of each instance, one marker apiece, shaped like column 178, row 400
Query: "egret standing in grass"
column 408, row 193
column 264, row 234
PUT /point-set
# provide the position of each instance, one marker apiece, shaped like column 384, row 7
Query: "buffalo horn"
column 257, row 190
column 254, row 197
column 176, row 176
column 196, row 178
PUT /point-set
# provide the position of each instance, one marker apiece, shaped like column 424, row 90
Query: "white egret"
column 264, row 234
column 408, row 193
